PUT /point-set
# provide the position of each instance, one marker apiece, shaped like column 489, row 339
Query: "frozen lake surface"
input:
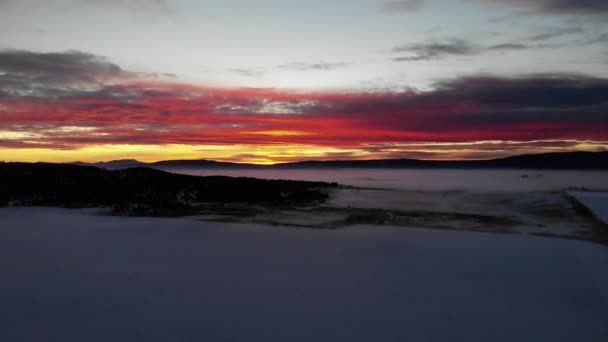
column 534, row 200
column 432, row 179
column 70, row 275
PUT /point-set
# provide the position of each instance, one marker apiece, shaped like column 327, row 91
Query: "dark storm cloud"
column 547, row 91
column 404, row 5
column 71, row 62
column 51, row 74
column 490, row 107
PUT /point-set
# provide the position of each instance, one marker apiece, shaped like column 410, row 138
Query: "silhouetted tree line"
column 142, row 190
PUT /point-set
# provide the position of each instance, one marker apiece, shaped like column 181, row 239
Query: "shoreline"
column 338, row 214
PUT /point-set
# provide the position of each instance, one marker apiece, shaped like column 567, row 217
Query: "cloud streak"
column 556, row 33
column 435, row 49
column 295, row 66
column 441, row 48
column 321, row 66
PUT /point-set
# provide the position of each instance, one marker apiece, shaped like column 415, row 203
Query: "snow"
column 72, row 275
column 534, row 198
column 547, row 212
column 596, row 202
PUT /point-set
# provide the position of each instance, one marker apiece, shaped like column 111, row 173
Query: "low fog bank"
column 73, row 275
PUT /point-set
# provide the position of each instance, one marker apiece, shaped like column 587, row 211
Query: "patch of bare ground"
column 336, row 218
column 548, row 214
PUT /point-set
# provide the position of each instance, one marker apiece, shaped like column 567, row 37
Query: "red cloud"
column 102, row 104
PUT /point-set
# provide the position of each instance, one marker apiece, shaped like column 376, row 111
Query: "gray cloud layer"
column 545, row 91
column 562, row 97
column 561, row 7
column 53, row 74
column 154, row 7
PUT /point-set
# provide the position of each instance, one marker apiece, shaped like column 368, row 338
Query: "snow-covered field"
column 534, row 200
column 596, row 202
column 71, row 275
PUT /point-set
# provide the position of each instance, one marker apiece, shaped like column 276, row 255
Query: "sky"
column 272, row 81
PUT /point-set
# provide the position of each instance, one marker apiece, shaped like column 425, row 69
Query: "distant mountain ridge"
column 556, row 161
column 114, row 164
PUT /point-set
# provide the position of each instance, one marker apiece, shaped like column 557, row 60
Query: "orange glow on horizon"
column 273, row 154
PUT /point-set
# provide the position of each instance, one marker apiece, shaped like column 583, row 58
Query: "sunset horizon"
column 397, row 86
column 259, row 162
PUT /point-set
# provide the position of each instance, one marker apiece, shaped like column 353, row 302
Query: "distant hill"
column 555, row 161
column 200, row 164
column 114, row 164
